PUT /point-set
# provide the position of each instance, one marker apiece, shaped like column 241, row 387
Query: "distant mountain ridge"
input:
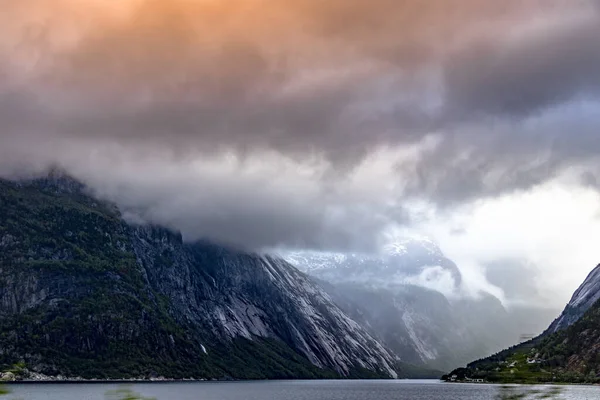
column 402, row 261
column 409, row 297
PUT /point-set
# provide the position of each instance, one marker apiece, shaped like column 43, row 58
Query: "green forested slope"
column 571, row 355
column 75, row 302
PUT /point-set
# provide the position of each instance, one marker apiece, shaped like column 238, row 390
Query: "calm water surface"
column 285, row 390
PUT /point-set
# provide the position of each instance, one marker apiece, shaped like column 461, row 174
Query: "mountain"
column 572, row 353
column 418, row 324
column 566, row 352
column 407, row 260
column 85, row 293
column 408, row 298
column 583, row 299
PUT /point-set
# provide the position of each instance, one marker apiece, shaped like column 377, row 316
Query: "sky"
column 325, row 125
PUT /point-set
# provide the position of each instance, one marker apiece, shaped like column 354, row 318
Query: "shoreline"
column 525, row 383
column 134, row 381
column 117, row 381
column 107, row 381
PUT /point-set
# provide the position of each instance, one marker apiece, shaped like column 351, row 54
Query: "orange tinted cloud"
column 335, row 78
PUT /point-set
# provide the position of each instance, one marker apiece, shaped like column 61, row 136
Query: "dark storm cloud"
column 523, row 75
column 252, row 210
column 209, row 75
column 504, row 156
column 88, row 84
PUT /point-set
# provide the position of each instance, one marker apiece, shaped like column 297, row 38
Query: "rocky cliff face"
column 236, row 295
column 408, row 298
column 84, row 293
column 413, row 322
column 583, row 299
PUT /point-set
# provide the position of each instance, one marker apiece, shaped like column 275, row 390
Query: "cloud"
column 333, row 78
column 523, row 73
column 231, row 199
column 537, row 246
column 435, row 278
column 251, row 209
column 302, row 123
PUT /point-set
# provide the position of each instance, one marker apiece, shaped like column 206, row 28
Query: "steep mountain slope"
column 83, row 293
column 583, row 299
column 407, row 299
column 574, row 353
column 417, row 323
column 568, row 351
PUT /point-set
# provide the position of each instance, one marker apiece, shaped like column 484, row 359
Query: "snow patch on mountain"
column 409, row 260
column 403, row 244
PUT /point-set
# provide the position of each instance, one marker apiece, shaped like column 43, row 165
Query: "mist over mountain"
column 411, row 297
column 410, row 260
column 322, row 126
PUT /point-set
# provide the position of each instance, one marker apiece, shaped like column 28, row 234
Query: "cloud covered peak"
column 304, row 124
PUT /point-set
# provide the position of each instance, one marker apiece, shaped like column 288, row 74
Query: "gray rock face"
column 233, row 294
column 584, row 297
column 7, row 377
column 422, row 326
column 80, row 288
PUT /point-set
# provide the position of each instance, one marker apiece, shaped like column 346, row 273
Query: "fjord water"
column 286, row 390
